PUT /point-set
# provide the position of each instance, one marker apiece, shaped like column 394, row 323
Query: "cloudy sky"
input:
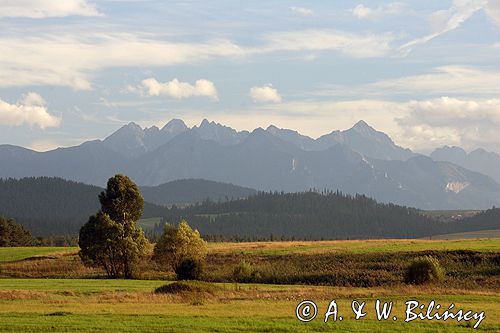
column 425, row 72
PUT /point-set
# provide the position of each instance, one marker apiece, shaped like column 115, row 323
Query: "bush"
column 182, row 287
column 243, row 272
column 424, row 270
column 189, row 269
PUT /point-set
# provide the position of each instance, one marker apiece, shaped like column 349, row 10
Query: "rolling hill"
column 56, row 206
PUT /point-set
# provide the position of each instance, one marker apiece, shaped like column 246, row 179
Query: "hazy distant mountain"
column 478, row 160
column 132, row 141
column 266, row 162
column 193, row 190
column 91, row 163
column 219, row 133
column 361, row 138
column 358, row 160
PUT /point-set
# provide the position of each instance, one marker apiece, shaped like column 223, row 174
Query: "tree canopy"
column 13, row 234
column 111, row 239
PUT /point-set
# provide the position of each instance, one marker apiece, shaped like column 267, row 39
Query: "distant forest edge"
column 53, row 206
column 315, row 216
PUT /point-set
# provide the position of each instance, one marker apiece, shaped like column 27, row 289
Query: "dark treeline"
column 13, row 234
column 486, row 220
column 312, row 215
column 308, row 215
column 53, row 206
column 188, row 191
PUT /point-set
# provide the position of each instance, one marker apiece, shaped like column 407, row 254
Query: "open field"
column 471, row 234
column 20, row 253
column 292, row 272
column 8, row 254
column 34, row 305
column 355, row 246
column 451, row 215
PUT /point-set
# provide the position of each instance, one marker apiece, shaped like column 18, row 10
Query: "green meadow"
column 31, row 300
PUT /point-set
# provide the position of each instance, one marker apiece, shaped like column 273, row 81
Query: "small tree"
column 180, row 248
column 13, row 234
column 111, row 238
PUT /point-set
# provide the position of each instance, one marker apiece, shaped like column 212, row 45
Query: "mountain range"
column 358, row 160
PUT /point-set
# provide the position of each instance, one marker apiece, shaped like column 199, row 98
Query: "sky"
column 425, row 72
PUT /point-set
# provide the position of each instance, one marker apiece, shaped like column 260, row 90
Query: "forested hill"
column 188, row 191
column 53, row 206
column 311, row 215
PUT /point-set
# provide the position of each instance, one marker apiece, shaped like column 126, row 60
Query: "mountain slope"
column 478, row 160
column 132, row 141
column 89, row 162
column 265, row 162
column 361, row 138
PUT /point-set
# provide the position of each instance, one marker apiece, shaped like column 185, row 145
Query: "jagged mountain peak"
column 362, row 126
column 174, row 125
column 210, row 130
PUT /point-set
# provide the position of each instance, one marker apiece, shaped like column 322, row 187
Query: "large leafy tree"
column 180, row 244
column 111, row 239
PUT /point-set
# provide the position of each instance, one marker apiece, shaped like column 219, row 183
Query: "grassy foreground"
column 104, row 305
column 9, row 254
column 79, row 305
column 19, row 253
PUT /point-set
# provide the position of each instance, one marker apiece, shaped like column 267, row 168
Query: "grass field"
column 8, row 254
column 471, row 234
column 35, row 305
column 115, row 305
column 20, row 253
column 355, row 246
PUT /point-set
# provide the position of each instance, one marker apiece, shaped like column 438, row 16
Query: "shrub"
column 181, row 246
column 189, row 269
column 181, row 287
column 424, row 270
column 243, row 272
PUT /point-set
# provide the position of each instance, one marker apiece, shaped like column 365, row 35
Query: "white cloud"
column 72, row 60
column 468, row 123
column 302, row 11
column 360, row 11
column 68, row 60
column 443, row 21
column 264, row 94
column 46, row 8
column 31, row 111
column 178, row 89
column 445, row 80
column 352, row 44
column 363, row 12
